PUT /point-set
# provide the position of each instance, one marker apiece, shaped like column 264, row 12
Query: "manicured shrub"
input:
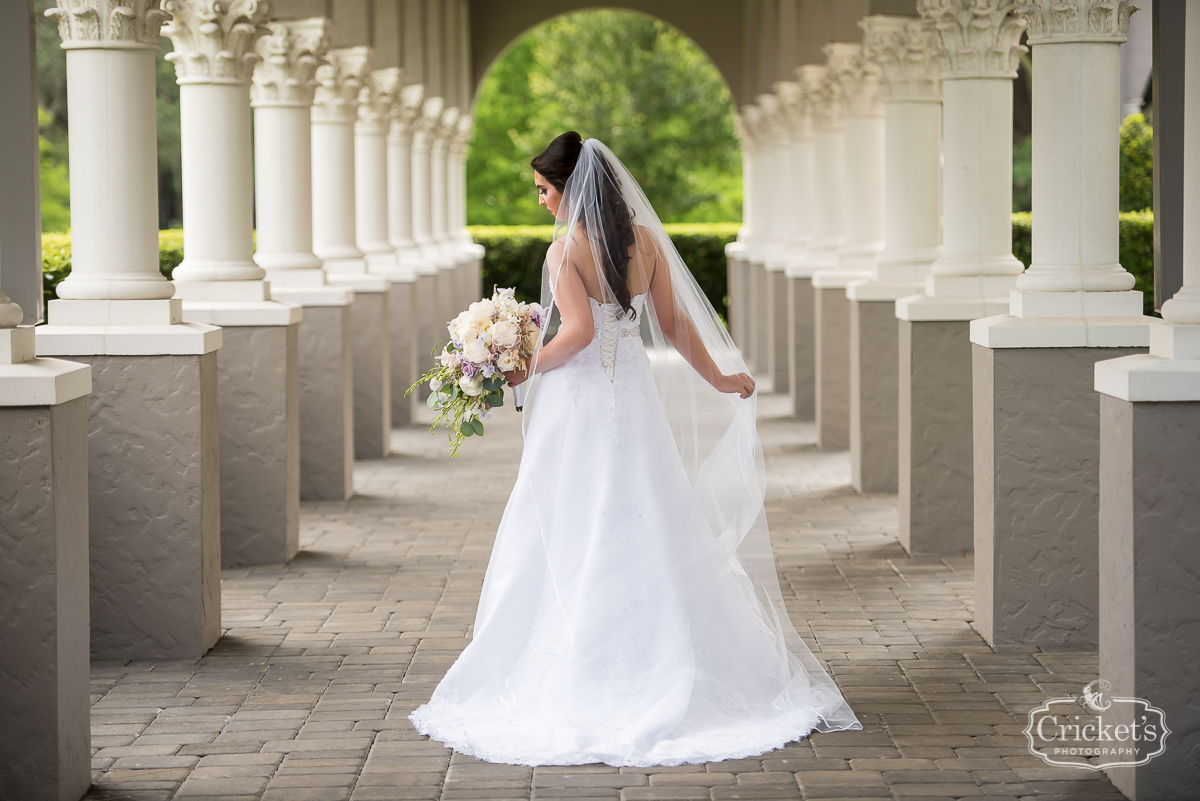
column 1137, row 164
column 515, row 254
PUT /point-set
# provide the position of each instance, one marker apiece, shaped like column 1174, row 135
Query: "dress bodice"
column 612, row 324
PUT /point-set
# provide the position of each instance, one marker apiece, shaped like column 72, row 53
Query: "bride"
column 631, row 613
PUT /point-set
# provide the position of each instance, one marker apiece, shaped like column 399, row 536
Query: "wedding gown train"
column 614, row 624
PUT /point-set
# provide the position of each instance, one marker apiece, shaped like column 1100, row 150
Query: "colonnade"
column 157, row 430
column 1032, row 416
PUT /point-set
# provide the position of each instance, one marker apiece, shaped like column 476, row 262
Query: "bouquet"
column 493, row 336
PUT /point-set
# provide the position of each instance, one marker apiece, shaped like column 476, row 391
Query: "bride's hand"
column 516, row 377
column 740, row 383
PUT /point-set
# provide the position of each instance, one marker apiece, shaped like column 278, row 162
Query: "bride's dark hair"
column 556, row 164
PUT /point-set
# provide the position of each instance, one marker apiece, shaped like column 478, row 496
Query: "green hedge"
column 1137, row 249
column 515, row 254
column 56, row 257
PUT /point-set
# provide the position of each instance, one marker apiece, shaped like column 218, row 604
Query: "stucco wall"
column 372, row 375
column 44, row 703
column 326, row 404
column 801, row 341
column 258, row 399
column 1037, row 481
column 154, row 506
column 1150, row 580
column 831, row 323
column 874, row 386
column 402, row 323
column 935, row 477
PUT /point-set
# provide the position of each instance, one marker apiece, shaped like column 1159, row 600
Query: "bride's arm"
column 678, row 329
column 571, row 298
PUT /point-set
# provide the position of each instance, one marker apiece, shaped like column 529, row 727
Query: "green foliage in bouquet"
column 451, row 404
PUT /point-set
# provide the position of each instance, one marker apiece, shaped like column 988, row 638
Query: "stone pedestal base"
column 831, row 323
column 258, row 397
column 777, row 330
column 760, row 321
column 733, row 287
column 1149, row 643
column 154, row 506
column 326, row 404
column 45, row 742
column 370, row 344
column 402, row 325
column 874, row 388
column 801, row 341
column 936, row 471
column 1037, row 474
column 428, row 326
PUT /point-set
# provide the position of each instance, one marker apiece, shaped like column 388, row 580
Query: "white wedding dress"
column 616, row 625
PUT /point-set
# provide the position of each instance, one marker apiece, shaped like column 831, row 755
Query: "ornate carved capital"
column 339, row 80
column 290, row 52
column 1077, row 20
column 111, row 24
column 425, row 124
column 773, row 118
column 795, row 109
column 749, row 126
column 905, row 50
column 979, row 38
column 214, row 39
column 377, row 99
column 857, row 78
column 821, row 96
column 405, row 111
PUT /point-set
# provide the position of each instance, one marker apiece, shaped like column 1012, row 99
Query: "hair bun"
column 557, row 161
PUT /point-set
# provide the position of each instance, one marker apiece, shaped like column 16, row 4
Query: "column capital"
column 214, row 42
column 822, row 95
column 906, row 51
column 1077, row 20
column 773, row 117
column 339, row 80
column 750, row 125
column 405, row 110
column 291, row 52
column 979, row 38
column 795, row 109
column 466, row 130
column 377, row 100
column 857, row 77
column 109, row 24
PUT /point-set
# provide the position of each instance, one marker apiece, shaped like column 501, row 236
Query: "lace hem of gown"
column 533, row 743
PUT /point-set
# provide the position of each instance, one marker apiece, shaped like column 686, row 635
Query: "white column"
column 375, row 112
column 402, row 308
column 334, row 111
column 976, row 269
column 912, row 100
column 798, row 138
column 151, row 414
column 219, row 282
column 828, row 177
column 424, row 131
column 1036, row 562
column 282, row 97
column 1149, row 500
column 857, row 78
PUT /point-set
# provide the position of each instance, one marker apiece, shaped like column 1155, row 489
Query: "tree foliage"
column 1137, row 164
column 638, row 85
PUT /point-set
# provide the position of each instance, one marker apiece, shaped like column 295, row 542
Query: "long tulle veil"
column 715, row 433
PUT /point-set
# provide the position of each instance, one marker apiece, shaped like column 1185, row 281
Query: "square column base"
column 874, row 390
column 1037, row 473
column 777, row 328
column 258, row 395
column 760, row 320
column 936, row 472
column 1149, row 636
column 831, row 322
column 154, row 506
column 326, row 367
column 428, row 327
column 402, row 327
column 372, row 374
column 45, row 744
column 733, row 289
column 801, row 344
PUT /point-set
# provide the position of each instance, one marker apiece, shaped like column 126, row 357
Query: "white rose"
column 448, row 358
column 508, row 361
column 506, row 334
column 476, row 351
column 471, row 386
column 484, row 308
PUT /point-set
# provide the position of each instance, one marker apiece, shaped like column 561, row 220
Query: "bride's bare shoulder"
column 644, row 236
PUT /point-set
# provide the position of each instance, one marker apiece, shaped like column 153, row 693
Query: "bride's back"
column 585, row 256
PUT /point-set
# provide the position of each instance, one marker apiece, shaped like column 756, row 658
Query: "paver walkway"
column 306, row 697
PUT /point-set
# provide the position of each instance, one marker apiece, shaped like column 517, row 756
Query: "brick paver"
column 306, row 696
